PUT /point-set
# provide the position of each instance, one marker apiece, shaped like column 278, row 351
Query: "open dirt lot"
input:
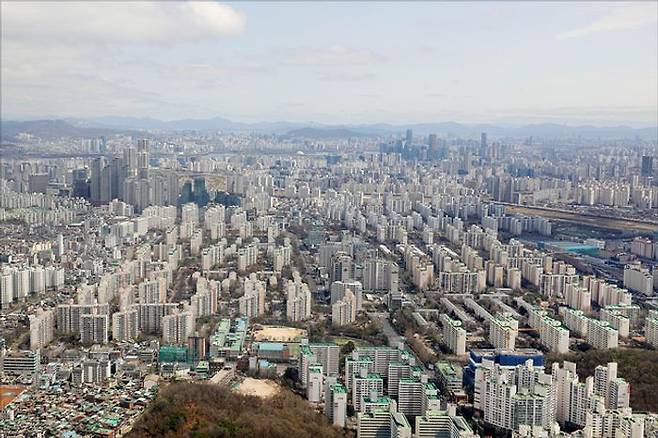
column 279, row 334
column 258, row 387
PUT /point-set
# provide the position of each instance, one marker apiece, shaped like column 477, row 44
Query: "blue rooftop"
column 271, row 346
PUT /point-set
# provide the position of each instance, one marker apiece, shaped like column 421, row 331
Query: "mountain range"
column 92, row 127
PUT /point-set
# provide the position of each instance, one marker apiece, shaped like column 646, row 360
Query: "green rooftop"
column 339, row 388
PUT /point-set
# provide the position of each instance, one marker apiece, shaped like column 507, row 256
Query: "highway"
column 591, row 219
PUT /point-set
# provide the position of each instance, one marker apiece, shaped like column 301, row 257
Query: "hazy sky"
column 333, row 62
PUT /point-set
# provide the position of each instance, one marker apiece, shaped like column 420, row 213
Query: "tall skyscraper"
column 130, row 161
column 143, row 158
column 80, row 183
column 647, row 165
column 483, row 144
column 97, row 167
column 201, row 197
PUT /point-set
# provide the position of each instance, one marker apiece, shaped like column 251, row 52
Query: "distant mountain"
column 51, row 129
column 212, row 124
column 544, row 130
column 112, row 125
column 325, row 133
column 559, row 131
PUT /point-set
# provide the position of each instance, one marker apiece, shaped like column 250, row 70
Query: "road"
column 393, row 337
column 592, row 219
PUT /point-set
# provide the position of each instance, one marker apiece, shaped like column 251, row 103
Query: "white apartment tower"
column 503, row 330
column 125, row 326
column 42, row 328
column 299, row 302
column 177, row 327
column 454, row 335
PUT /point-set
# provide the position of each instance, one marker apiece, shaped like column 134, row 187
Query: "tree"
column 638, row 367
column 291, row 374
column 347, row 348
column 194, row 409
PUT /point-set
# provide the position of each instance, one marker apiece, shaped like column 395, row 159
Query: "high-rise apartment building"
column 454, row 335
column 94, row 329
column 343, row 312
column 125, row 325
column 42, row 328
column 335, row 401
column 503, row 330
column 176, row 327
column 299, row 302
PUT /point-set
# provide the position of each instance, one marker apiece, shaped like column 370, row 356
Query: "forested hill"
column 195, row 409
column 637, row 367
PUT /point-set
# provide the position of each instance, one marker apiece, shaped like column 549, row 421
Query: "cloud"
column 334, row 55
column 620, row 17
column 118, row 22
column 102, row 57
column 347, row 77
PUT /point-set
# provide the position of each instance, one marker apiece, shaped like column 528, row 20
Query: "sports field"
column 259, row 387
column 279, row 334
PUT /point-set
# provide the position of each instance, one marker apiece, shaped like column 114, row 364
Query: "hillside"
column 52, row 129
column 193, row 409
column 637, row 367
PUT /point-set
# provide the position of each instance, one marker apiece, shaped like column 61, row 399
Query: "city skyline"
column 585, row 63
column 329, row 219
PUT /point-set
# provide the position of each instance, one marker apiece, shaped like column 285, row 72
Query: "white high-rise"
column 454, row 335
column 651, row 329
column 299, row 302
column 125, row 325
column 503, row 330
column 315, row 384
column 335, row 402
column 343, row 311
column 177, row 327
column 42, row 328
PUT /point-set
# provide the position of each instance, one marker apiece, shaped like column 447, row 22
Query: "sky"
column 330, row 62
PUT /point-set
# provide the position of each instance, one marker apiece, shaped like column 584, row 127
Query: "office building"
column 26, row 363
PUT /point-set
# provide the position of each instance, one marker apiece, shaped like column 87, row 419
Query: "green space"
column 196, row 410
column 638, row 367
